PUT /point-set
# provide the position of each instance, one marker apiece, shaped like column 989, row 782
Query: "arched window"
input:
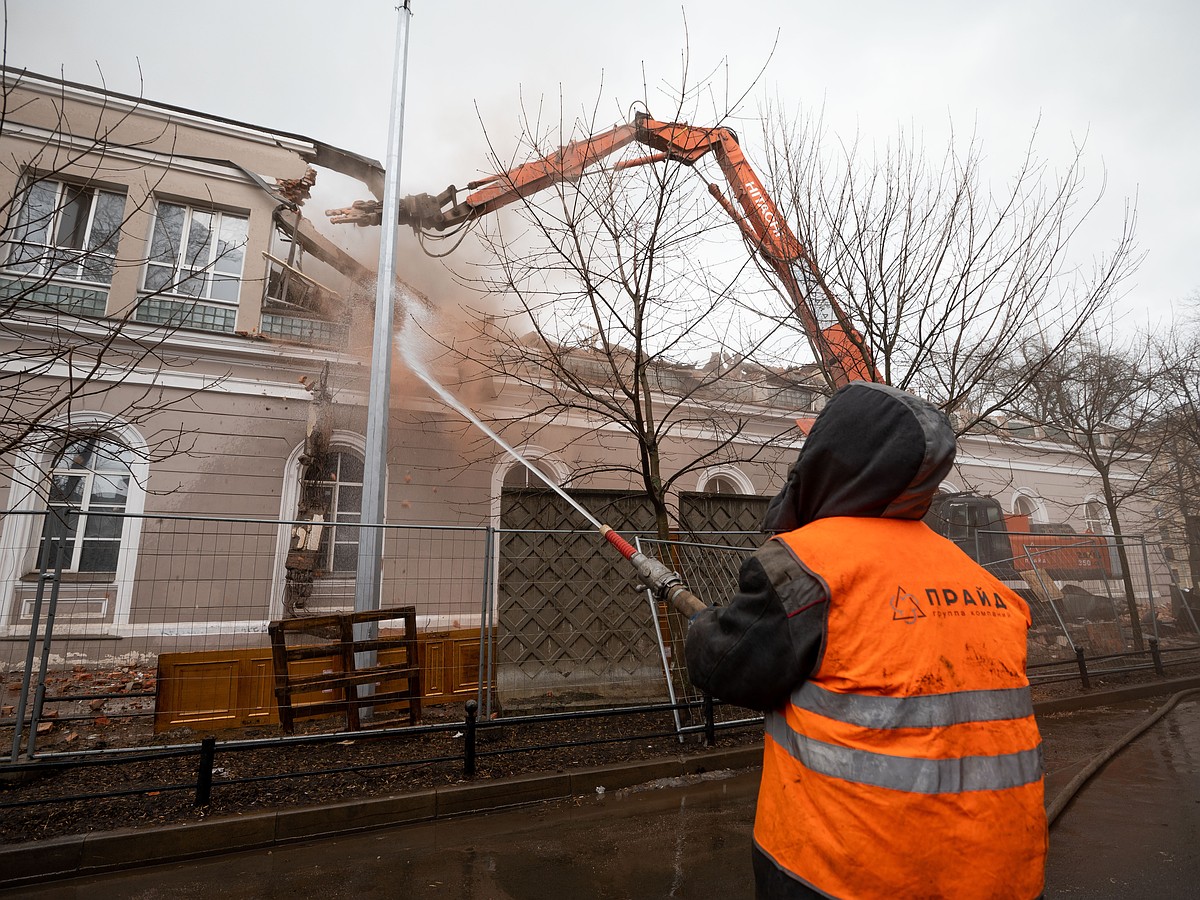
column 1095, row 517
column 725, row 479
column 1026, row 503
column 89, row 485
column 721, row 485
column 519, row 476
column 97, row 477
column 337, row 488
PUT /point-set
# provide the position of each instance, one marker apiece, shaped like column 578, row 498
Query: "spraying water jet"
column 663, row 582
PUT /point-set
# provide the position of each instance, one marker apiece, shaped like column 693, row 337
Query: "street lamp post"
column 370, row 545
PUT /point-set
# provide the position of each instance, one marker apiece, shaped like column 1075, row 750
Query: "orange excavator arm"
column 833, row 337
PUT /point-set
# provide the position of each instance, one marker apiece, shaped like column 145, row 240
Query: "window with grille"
column 89, row 489
column 66, row 231
column 196, row 253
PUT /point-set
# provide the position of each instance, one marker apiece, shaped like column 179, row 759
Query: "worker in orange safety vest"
column 901, row 754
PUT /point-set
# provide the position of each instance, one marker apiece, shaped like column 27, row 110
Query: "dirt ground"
column 356, row 767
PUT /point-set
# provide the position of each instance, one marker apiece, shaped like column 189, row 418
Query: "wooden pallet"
column 394, row 678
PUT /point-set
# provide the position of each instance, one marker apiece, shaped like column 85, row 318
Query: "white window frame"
column 206, row 272
column 329, row 532
column 20, row 533
column 90, row 477
column 289, row 498
column 1038, row 516
column 42, row 264
column 1088, row 522
column 730, row 473
column 545, row 460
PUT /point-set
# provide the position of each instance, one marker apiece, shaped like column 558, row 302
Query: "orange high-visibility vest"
column 909, row 764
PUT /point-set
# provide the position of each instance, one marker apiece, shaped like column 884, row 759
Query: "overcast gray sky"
column 1121, row 75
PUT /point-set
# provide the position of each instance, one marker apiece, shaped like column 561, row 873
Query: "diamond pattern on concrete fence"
column 569, row 619
column 725, row 514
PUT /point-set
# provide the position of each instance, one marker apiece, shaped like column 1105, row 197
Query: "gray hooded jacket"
column 874, row 451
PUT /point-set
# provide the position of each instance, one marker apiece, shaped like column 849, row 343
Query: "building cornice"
column 174, row 161
column 155, row 110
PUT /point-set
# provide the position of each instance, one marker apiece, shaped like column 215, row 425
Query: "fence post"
column 54, row 531
column 710, row 727
column 469, row 740
column 1150, row 590
column 1083, row 672
column 204, row 774
column 484, row 692
column 1157, row 657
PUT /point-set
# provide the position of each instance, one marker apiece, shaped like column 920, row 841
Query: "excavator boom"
column 833, row 337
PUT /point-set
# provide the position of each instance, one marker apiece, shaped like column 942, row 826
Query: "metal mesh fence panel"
column 710, row 570
column 172, row 636
column 172, row 633
column 1099, row 594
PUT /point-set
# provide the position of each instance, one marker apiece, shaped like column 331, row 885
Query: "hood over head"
column 874, row 451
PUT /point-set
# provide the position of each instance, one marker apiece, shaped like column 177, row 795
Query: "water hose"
column 664, row 583
column 1067, row 794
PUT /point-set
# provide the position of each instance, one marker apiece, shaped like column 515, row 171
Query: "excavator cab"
column 976, row 524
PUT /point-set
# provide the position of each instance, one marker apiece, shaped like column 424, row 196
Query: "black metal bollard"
column 1083, row 672
column 469, row 740
column 204, row 775
column 710, row 726
column 1157, row 657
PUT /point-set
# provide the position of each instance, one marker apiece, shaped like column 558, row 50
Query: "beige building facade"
column 214, row 466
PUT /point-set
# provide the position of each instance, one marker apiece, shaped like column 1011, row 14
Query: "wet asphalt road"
column 689, row 842
column 1133, row 832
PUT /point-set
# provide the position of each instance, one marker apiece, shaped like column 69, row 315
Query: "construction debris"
column 297, row 190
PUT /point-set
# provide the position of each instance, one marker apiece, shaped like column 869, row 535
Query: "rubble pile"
column 83, row 723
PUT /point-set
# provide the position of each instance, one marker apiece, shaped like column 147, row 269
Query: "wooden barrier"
column 395, row 677
column 235, row 687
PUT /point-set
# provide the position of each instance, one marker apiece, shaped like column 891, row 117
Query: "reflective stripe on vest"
column 932, row 711
column 901, row 773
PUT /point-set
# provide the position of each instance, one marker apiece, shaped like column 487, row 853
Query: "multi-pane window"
column 338, row 489
column 196, row 253
column 89, row 487
column 66, row 231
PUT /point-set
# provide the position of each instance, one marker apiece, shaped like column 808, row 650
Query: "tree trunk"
column 1135, row 623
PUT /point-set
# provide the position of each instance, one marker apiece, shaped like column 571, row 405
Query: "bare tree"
column 1101, row 399
column 945, row 277
column 613, row 317
column 1177, row 350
